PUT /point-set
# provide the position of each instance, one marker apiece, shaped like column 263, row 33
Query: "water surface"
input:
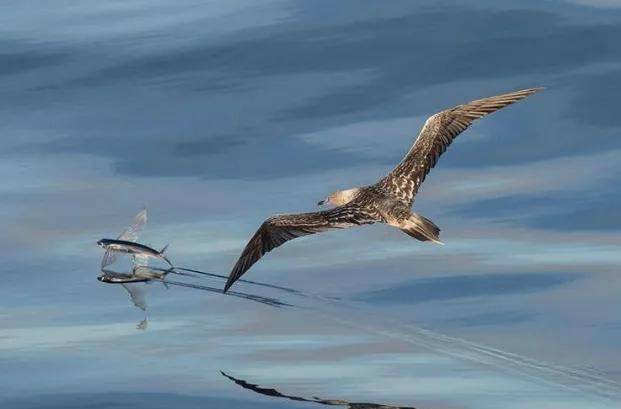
column 217, row 114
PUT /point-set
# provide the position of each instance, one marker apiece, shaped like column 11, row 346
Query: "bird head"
column 340, row 197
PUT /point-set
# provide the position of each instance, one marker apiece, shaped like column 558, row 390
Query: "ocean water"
column 215, row 115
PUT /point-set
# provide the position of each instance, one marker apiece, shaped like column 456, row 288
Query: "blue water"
column 215, row 115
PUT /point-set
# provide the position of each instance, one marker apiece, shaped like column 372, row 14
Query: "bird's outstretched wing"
column 277, row 230
column 131, row 233
column 437, row 134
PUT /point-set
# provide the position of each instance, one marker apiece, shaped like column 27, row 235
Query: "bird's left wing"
column 435, row 137
column 277, row 230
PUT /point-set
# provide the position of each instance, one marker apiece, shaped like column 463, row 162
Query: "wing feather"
column 277, row 230
column 437, row 134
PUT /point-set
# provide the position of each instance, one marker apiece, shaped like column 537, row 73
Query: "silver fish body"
column 111, row 277
column 133, row 248
column 139, row 274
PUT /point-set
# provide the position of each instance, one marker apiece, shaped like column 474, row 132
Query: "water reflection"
column 142, row 325
column 137, row 295
column 329, row 402
column 273, row 302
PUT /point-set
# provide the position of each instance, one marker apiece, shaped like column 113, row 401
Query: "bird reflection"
column 328, row 402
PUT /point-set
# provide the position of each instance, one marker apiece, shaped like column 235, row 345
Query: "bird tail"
column 421, row 228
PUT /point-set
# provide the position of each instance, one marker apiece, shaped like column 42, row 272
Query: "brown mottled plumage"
column 387, row 201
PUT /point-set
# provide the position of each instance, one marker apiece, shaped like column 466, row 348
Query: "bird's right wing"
column 277, row 230
column 136, row 294
column 131, row 233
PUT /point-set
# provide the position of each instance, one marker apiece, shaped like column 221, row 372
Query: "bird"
column 387, row 201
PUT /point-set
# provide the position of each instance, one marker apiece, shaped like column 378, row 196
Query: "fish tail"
column 168, row 261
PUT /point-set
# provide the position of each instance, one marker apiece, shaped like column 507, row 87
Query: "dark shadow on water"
column 137, row 294
column 273, row 302
column 256, row 283
column 467, row 286
column 328, row 402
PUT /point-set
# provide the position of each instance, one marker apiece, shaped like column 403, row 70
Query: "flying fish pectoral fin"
column 108, row 259
column 140, row 259
column 136, row 295
column 132, row 232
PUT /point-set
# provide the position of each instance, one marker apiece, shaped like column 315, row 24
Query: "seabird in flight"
column 387, row 201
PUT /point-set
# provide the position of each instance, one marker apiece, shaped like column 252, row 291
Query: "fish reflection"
column 142, row 325
column 142, row 273
column 136, row 295
column 132, row 284
column 328, row 402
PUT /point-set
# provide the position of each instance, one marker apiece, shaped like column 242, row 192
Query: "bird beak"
column 321, row 203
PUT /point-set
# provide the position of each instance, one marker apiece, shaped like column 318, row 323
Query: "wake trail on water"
column 247, row 284
column 360, row 316
column 253, row 297
column 577, row 380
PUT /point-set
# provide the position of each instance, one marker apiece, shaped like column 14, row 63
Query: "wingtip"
column 533, row 90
